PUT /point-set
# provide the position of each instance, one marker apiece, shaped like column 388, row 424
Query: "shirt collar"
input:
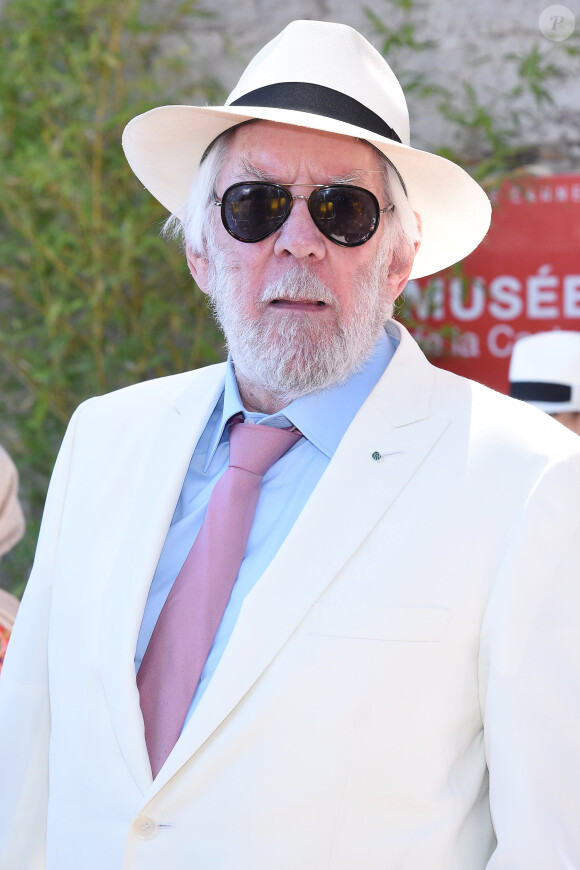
column 322, row 417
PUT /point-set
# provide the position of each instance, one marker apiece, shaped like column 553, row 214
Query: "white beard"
column 295, row 353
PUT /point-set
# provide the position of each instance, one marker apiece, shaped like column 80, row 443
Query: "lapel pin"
column 378, row 457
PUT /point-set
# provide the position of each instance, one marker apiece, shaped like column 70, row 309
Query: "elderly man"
column 318, row 606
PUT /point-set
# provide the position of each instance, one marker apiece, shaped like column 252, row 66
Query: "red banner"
column 523, row 278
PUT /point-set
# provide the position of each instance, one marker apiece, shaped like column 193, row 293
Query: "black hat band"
column 535, row 391
column 318, row 100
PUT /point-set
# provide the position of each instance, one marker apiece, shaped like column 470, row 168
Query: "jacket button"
column 145, row 828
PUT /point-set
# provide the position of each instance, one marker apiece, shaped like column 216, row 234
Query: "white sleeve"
column 24, row 694
column 530, row 682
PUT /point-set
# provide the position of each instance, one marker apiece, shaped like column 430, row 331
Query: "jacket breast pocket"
column 410, row 624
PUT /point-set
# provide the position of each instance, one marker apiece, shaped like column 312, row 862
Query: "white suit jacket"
column 401, row 690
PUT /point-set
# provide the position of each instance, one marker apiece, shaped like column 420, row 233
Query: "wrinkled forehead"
column 280, row 152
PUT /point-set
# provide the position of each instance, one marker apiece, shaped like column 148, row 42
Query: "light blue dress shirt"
column 323, row 418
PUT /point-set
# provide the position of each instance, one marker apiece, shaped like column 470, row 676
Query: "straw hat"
column 320, row 76
column 545, row 371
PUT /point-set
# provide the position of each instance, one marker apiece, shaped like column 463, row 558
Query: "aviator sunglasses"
column 345, row 214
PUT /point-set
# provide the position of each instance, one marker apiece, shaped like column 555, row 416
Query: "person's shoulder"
column 478, row 414
column 166, row 389
column 498, row 418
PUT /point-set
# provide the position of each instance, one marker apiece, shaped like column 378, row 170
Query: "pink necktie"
column 184, row 633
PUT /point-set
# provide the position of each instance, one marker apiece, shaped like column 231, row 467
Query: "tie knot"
column 256, row 448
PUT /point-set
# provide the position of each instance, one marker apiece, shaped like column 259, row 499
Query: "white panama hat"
column 545, row 370
column 319, row 76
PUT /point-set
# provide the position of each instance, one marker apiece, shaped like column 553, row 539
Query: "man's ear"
column 198, row 267
column 399, row 272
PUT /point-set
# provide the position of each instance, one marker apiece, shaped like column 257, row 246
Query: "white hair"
column 190, row 230
column 402, row 235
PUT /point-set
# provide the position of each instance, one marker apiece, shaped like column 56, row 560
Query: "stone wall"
column 474, row 41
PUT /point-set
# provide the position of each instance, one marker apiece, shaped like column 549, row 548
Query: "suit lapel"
column 394, row 423
column 167, row 435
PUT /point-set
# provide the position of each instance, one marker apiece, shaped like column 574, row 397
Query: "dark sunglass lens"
column 345, row 214
column 254, row 211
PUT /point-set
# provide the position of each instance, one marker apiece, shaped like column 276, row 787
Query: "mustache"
column 299, row 284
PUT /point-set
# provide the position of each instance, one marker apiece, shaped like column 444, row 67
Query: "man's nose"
column 299, row 236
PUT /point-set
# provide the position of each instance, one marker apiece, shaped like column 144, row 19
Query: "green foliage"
column 400, row 37
column 492, row 126
column 91, row 299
